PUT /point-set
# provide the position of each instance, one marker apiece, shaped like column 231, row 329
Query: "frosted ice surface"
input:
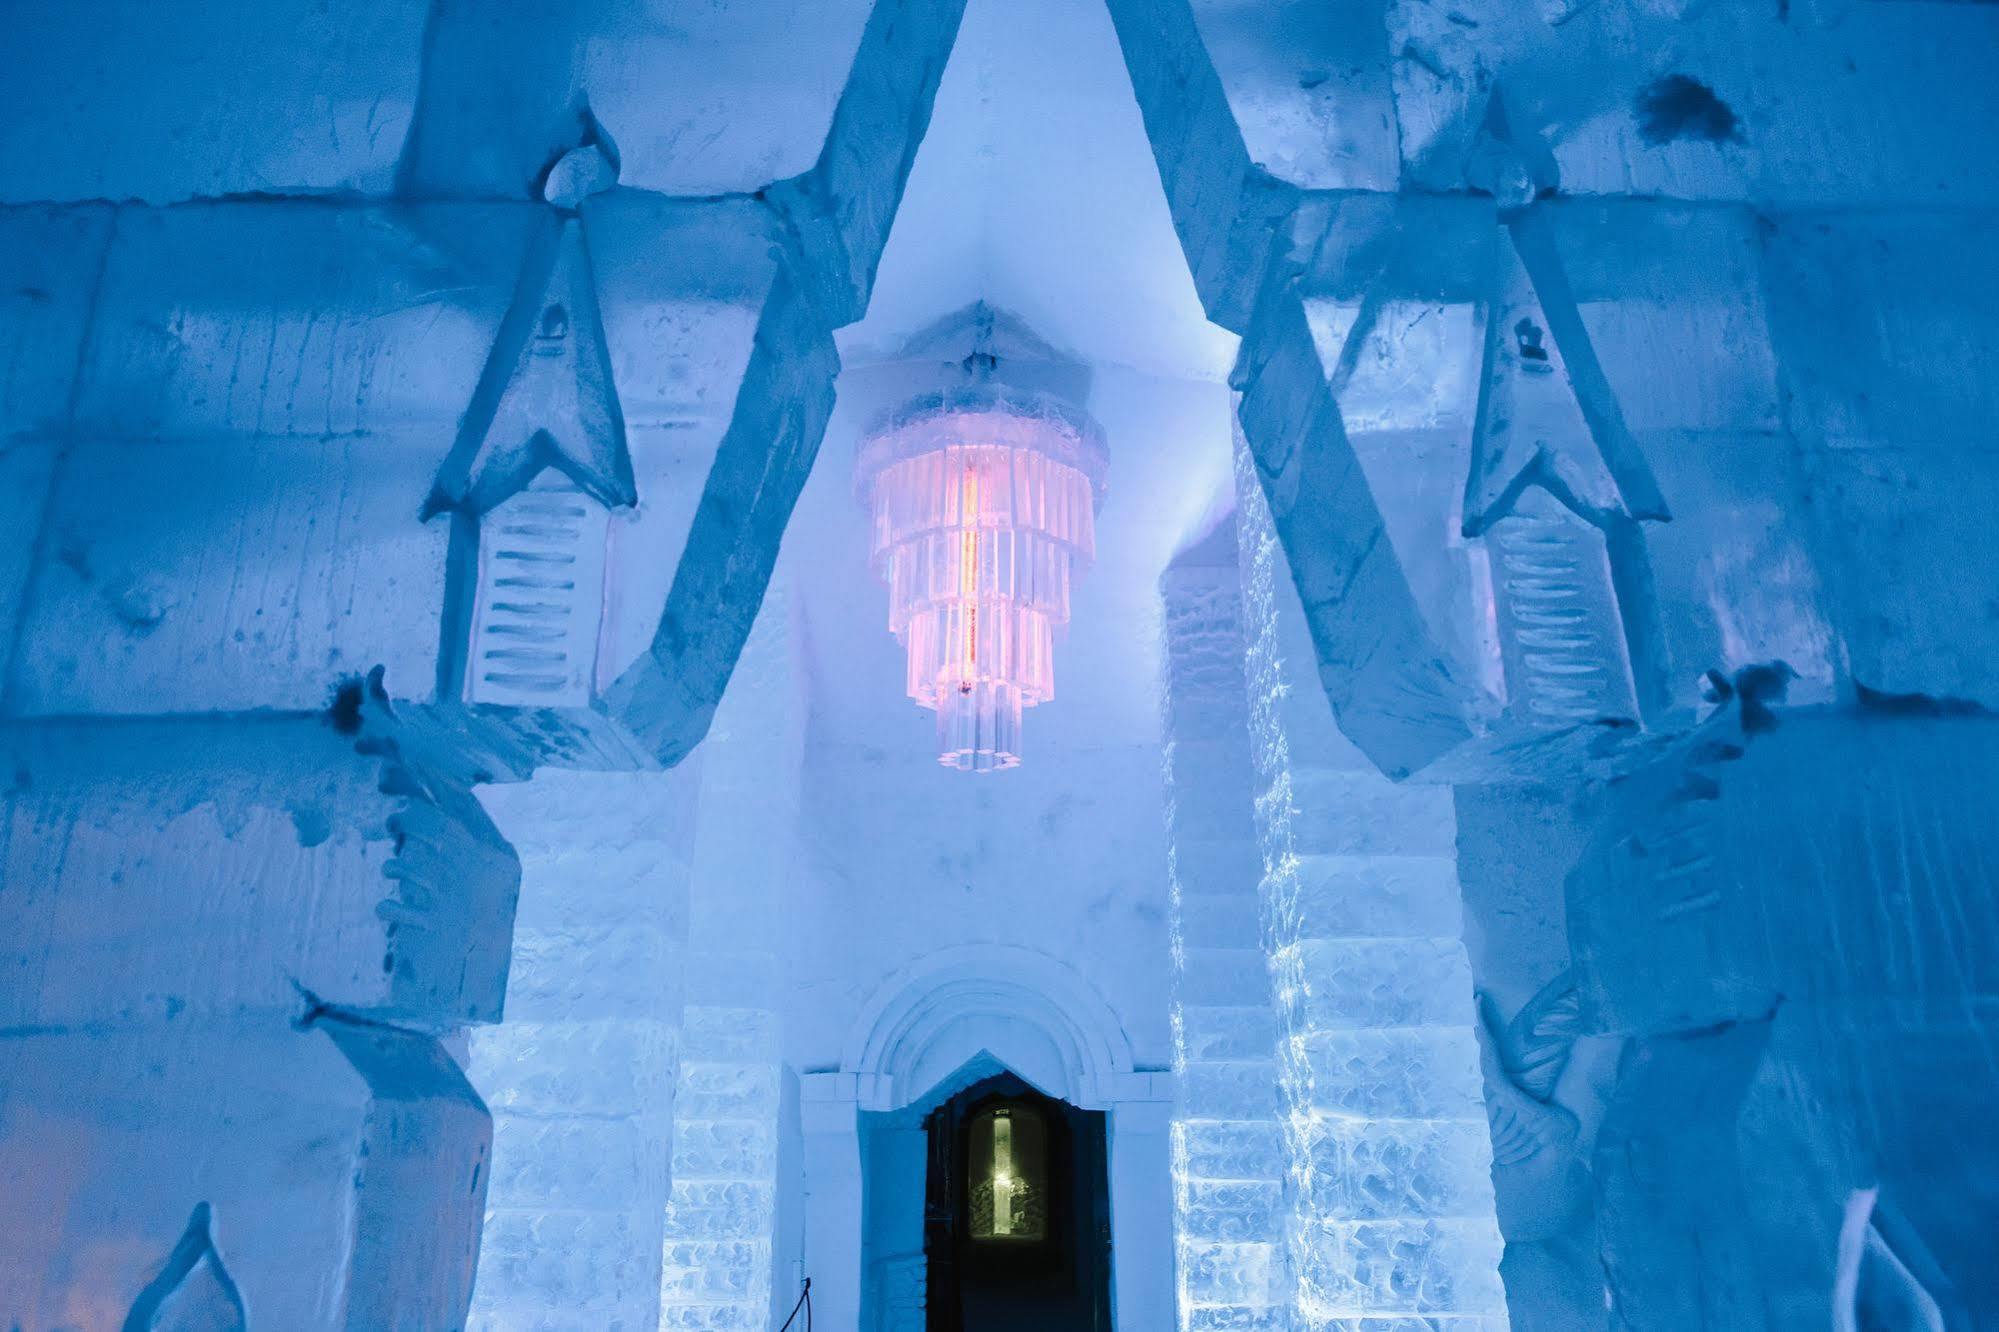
column 47, row 262
column 1228, row 1144
column 1386, row 1143
column 1226, row 1149
column 1218, row 1034
column 1385, row 895
column 1241, row 1278
column 1387, row 1168
column 716, row 1259
column 581, row 1077
column 181, row 591
column 690, row 96
column 296, row 318
column 124, row 99
column 1406, row 1265
column 1298, row 77
column 1339, row 984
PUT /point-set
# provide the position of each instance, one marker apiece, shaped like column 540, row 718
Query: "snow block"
column 342, row 1178
column 256, row 865
column 128, row 100
column 419, row 1182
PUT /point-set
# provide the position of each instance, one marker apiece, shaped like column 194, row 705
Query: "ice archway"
column 1033, row 1013
column 944, row 1022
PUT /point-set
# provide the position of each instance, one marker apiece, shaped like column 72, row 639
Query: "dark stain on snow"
column 1680, row 106
column 312, row 824
column 344, row 713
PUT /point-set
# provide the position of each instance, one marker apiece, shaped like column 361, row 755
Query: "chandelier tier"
column 983, row 505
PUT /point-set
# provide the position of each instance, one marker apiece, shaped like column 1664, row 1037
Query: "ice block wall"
column 1386, row 1142
column 580, row 1077
column 717, row 1272
column 1229, row 1156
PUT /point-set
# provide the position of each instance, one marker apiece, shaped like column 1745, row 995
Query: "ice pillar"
column 715, row 1275
column 1392, row 1217
column 580, row 1077
column 1228, row 1137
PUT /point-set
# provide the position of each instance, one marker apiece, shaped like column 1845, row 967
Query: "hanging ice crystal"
column 984, row 508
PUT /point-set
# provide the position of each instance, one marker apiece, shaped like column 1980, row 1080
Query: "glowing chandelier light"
column 983, row 504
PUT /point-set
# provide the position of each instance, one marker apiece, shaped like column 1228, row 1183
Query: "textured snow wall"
column 1793, row 923
column 1387, row 1146
column 1230, row 1202
column 236, row 336
column 176, row 1041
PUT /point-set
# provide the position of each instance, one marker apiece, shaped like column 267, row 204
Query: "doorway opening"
column 1016, row 1217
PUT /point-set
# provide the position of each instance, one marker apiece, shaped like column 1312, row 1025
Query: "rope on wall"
column 805, row 1303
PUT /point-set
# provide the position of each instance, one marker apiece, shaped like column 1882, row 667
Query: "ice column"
column 716, row 1271
column 580, row 1076
column 1393, row 1226
column 1228, row 1137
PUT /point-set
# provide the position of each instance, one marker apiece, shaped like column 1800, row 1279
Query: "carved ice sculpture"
column 1557, row 486
column 1523, row 1061
column 537, row 614
column 539, row 464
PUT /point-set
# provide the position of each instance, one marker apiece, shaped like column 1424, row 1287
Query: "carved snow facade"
column 421, row 457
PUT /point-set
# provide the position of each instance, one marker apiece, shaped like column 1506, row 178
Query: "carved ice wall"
column 241, row 766
column 717, row 1272
column 580, row 1077
column 1387, row 1148
column 1230, row 1195
column 256, row 258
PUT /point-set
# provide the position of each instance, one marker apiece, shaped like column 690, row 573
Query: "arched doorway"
column 1016, row 1218
column 952, row 1020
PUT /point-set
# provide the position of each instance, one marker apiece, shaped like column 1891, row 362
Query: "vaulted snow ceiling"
column 1035, row 192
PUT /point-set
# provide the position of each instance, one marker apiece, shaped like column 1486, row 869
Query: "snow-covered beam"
column 1392, row 688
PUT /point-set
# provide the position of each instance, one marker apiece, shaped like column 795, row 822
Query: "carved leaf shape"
column 1522, row 1126
column 1542, row 1036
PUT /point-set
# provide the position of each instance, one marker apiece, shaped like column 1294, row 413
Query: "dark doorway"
column 1016, row 1217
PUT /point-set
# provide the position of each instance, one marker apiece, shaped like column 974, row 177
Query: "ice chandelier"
column 983, row 504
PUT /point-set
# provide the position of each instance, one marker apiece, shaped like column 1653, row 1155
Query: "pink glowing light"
column 984, row 511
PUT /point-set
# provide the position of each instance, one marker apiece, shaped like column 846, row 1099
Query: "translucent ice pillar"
column 715, row 1273
column 580, row 1076
column 1389, row 1156
column 1228, row 1132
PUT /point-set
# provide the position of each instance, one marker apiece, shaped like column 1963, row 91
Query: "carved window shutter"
column 539, row 612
